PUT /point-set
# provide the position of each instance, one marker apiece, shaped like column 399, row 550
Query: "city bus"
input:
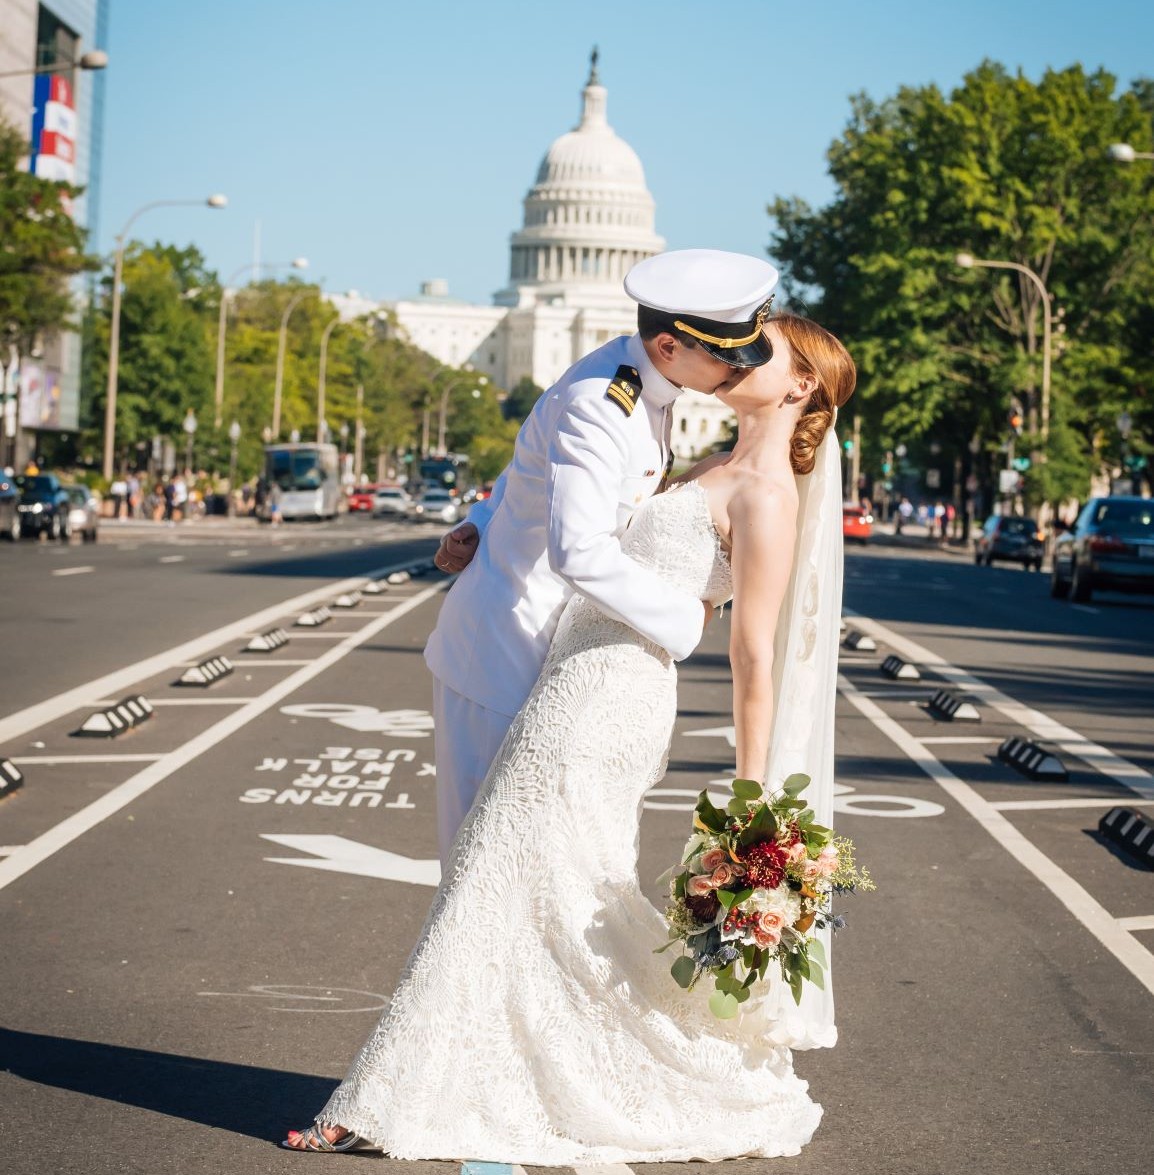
column 306, row 478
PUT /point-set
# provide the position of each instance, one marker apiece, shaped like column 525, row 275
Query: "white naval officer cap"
column 720, row 299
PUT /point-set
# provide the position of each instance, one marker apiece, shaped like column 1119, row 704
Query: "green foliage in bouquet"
column 756, row 878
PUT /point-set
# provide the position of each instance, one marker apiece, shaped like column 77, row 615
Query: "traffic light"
column 1016, row 421
column 848, row 446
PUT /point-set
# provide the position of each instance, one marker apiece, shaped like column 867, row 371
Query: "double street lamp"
column 969, row 261
column 452, row 386
column 1124, row 153
column 216, row 201
column 325, row 336
column 296, row 263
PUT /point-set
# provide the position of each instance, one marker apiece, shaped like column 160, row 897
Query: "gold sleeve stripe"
column 619, row 398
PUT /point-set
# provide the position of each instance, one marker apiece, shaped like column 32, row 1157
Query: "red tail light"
column 1106, row 544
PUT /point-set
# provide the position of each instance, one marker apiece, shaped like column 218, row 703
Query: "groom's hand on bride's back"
column 457, row 549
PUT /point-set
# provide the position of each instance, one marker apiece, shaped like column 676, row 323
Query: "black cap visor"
column 748, row 355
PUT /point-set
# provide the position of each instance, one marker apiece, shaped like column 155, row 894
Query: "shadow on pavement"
column 240, row 1098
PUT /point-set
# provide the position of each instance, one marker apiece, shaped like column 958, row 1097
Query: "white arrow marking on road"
column 340, row 855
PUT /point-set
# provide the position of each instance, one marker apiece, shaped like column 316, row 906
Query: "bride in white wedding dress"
column 534, row 1023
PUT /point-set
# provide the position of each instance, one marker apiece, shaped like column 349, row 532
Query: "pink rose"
column 723, row 874
column 795, row 853
column 713, row 858
column 827, row 861
column 770, row 922
column 699, row 886
column 766, row 939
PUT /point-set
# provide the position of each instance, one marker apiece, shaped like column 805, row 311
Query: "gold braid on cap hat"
column 729, row 344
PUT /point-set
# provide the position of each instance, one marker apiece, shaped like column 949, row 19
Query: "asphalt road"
column 198, row 934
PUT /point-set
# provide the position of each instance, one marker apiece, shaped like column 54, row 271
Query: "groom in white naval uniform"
column 595, row 446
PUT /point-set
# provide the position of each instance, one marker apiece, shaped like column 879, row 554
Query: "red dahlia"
column 764, row 865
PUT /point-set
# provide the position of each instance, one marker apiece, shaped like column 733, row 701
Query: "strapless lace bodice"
column 673, row 534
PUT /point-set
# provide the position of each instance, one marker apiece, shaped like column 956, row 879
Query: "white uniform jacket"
column 582, row 464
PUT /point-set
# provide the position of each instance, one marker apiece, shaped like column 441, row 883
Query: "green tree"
column 1005, row 169
column 522, row 396
column 167, row 333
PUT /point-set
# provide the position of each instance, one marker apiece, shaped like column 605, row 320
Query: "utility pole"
column 855, row 464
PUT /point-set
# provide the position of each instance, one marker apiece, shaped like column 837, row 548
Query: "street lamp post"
column 114, row 333
column 234, row 440
column 453, row 384
column 189, row 427
column 1124, row 153
column 359, row 435
column 968, row 261
column 296, row 263
column 321, row 381
column 94, row 59
column 282, row 343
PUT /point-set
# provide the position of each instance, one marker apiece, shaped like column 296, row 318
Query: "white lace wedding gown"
column 533, row 1022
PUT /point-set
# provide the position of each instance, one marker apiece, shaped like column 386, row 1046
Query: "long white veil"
column 805, row 691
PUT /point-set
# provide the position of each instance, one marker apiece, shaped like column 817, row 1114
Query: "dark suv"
column 1111, row 547
column 1014, row 540
column 9, row 501
column 44, row 506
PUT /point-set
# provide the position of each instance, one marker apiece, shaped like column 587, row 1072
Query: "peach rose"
column 770, row 922
column 713, row 858
column 827, row 861
column 723, row 874
column 766, row 939
column 795, row 853
column 699, row 886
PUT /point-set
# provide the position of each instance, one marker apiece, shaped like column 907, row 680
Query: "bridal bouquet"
column 754, row 881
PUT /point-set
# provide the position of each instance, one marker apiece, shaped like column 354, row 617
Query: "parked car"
column 362, row 499
column 1010, row 539
column 392, row 501
column 83, row 513
column 44, row 505
column 437, row 505
column 857, row 524
column 1110, row 547
column 9, row 501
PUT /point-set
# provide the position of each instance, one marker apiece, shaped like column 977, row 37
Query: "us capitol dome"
column 588, row 219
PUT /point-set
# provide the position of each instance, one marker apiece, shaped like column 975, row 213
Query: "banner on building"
column 53, row 129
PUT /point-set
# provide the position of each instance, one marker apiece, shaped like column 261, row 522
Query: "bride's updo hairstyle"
column 816, row 353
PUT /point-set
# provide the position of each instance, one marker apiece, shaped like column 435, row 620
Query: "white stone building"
column 588, row 219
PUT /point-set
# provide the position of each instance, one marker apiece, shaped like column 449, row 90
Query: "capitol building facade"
column 588, row 218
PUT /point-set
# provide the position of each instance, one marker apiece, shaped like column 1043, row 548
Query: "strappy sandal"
column 315, row 1141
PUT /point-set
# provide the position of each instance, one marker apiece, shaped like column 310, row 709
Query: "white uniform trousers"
column 466, row 739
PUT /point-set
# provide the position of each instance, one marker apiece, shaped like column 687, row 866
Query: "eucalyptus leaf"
column 795, row 784
column 683, row 971
column 747, row 789
column 723, row 1005
column 816, row 951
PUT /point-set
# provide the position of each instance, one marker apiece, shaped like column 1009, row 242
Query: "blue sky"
column 391, row 142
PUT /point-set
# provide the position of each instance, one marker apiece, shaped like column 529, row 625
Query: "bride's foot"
column 319, row 1137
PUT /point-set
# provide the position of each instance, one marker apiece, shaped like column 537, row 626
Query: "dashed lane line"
column 118, row 682
column 1080, row 802
column 1077, row 900
column 943, row 740
column 36, row 851
column 73, row 570
column 171, row 559
column 1040, row 725
column 59, row 760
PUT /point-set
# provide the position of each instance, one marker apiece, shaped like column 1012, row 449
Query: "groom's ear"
column 667, row 345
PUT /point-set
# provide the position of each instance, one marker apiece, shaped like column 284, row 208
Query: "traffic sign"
column 1021, row 464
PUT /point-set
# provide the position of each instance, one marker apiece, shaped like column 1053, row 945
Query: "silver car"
column 437, row 505
column 83, row 512
column 392, row 501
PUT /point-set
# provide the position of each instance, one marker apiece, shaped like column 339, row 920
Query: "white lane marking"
column 238, row 554
column 338, row 854
column 898, row 692
column 1086, row 608
column 191, row 701
column 605, row 1169
column 317, row 636
column 52, row 841
column 117, row 683
column 1040, row 725
column 60, row 760
column 8, row 850
column 1097, row 920
column 1138, row 922
column 1104, row 802
column 171, row 559
column 238, row 664
column 942, row 740
column 73, row 570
